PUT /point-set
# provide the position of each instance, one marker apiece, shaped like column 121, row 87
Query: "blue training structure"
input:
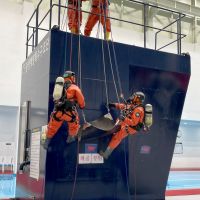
column 139, row 167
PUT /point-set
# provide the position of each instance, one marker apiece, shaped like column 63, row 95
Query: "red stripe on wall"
column 182, row 192
column 185, row 169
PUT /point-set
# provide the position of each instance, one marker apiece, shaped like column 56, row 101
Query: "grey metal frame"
column 37, row 27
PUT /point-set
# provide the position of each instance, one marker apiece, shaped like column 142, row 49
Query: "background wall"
column 187, row 150
column 13, row 19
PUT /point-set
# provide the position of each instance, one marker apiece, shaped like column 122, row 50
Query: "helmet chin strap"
column 69, row 80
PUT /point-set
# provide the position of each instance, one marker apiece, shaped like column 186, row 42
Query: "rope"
column 111, row 66
column 110, row 60
column 135, row 179
column 71, row 41
column 105, row 78
column 122, row 96
column 71, row 52
column 120, row 88
column 79, row 57
column 80, row 85
column 76, row 170
column 104, row 13
column 65, row 52
column 97, row 35
column 117, row 68
column 104, row 65
column 126, row 170
column 121, row 93
column 64, row 22
column 63, row 17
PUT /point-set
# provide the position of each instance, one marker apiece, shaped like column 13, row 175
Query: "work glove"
column 46, row 143
column 111, row 105
column 105, row 154
column 129, row 101
column 122, row 117
column 58, row 104
column 73, row 119
column 70, row 139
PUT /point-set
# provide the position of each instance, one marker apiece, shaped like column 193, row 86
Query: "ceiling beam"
column 188, row 9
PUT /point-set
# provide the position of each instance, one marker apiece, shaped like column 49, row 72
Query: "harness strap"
column 55, row 117
column 75, row 3
column 128, row 112
column 138, row 127
column 100, row 6
column 73, row 117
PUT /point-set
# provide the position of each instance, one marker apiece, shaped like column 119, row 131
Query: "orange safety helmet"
column 137, row 98
column 69, row 75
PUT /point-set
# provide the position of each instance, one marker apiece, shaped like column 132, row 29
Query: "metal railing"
column 32, row 38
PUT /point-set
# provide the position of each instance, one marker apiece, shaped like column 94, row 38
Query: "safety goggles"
column 67, row 75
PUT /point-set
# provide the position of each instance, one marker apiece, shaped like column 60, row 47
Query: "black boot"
column 46, row 143
column 106, row 153
column 70, row 139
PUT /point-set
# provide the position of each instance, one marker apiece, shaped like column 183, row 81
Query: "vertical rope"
column 105, row 78
column 71, row 52
column 78, row 79
column 126, row 170
column 97, row 35
column 76, row 170
column 65, row 51
column 122, row 96
column 113, row 76
column 117, row 67
column 79, row 57
column 63, row 17
column 104, row 65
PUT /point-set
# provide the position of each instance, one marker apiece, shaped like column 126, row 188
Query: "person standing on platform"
column 99, row 12
column 74, row 14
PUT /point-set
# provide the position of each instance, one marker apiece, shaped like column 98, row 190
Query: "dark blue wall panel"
column 139, row 167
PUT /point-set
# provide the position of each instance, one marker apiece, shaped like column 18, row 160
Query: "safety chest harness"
column 127, row 112
column 102, row 6
column 148, row 116
column 66, row 105
column 74, row 2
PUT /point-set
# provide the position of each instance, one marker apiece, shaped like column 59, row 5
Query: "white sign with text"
column 90, row 158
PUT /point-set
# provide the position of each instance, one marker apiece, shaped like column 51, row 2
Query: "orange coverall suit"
column 74, row 94
column 74, row 15
column 133, row 119
column 99, row 7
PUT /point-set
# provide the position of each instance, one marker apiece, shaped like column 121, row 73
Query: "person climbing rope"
column 65, row 109
column 130, row 121
column 74, row 14
column 99, row 12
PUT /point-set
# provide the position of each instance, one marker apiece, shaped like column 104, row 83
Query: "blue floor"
column 177, row 180
column 7, row 185
column 183, row 180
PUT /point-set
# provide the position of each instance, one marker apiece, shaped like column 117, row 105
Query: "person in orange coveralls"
column 130, row 121
column 101, row 8
column 74, row 15
column 65, row 110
